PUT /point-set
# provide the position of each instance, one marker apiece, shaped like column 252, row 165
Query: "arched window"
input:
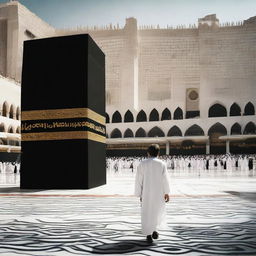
column 5, row 109
column 178, row 114
column 116, row 118
column 217, row 110
column 107, row 118
column 128, row 117
column 194, row 130
column 235, row 129
column 156, row 132
column 2, row 128
column 217, row 129
column 217, row 145
column 140, row 133
column 10, row 129
column 116, row 133
column 174, row 131
column 141, row 117
column 249, row 109
column 166, row 114
column 154, row 115
column 250, row 128
column 235, row 110
column 11, row 115
column 128, row 133
column 18, row 113
column 18, row 129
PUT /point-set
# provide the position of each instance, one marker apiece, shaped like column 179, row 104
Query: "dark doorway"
column 217, row 110
column 154, row 115
column 141, row 117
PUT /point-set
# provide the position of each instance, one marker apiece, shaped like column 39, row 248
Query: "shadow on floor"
column 251, row 196
column 122, row 247
column 19, row 190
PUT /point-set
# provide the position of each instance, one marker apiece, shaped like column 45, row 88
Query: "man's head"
column 153, row 150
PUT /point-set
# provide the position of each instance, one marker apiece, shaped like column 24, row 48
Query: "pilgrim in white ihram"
column 151, row 185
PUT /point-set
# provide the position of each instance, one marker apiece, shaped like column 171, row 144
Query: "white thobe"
column 151, row 184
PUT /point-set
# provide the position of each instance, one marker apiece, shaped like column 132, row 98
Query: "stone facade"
column 18, row 24
column 10, row 116
column 202, row 75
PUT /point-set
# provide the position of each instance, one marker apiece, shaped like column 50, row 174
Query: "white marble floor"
column 212, row 213
column 183, row 183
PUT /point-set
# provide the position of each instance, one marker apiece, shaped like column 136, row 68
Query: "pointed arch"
column 107, row 118
column 128, row 117
column 18, row 129
column 217, row 146
column 166, row 115
column 116, row 133
column 18, row 113
column 140, row 133
column 235, row 110
column 174, row 131
column 194, row 130
column 154, row 115
column 11, row 114
column 156, row 132
column 128, row 133
column 249, row 109
column 5, row 109
column 178, row 114
column 217, row 128
column 2, row 127
column 217, row 110
column 10, row 129
column 235, row 129
column 141, row 117
column 117, row 118
column 250, row 128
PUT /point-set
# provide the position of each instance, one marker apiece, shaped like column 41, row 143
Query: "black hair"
column 153, row 150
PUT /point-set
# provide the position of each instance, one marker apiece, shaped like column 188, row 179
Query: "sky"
column 73, row 13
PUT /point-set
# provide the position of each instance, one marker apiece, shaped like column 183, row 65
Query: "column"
column 167, row 148
column 227, row 147
column 207, row 147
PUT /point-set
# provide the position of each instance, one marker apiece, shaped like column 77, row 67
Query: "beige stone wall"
column 154, row 68
column 227, row 65
column 30, row 27
column 168, row 65
column 10, row 95
column 21, row 25
column 3, row 46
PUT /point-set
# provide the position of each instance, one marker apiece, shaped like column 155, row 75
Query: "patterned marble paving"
column 59, row 226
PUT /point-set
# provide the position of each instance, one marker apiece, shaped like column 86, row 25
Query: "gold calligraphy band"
column 62, row 114
column 43, row 136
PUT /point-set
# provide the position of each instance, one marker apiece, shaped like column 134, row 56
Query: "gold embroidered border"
column 62, row 114
column 40, row 136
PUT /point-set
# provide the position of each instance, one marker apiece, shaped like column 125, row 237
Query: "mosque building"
column 191, row 89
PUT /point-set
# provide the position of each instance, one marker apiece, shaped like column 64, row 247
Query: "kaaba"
column 63, row 114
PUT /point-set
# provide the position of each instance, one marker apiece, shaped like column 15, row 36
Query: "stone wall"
column 21, row 25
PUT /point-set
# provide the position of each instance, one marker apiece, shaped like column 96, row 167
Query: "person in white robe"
column 152, row 186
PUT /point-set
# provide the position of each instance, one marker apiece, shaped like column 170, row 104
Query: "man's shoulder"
column 145, row 161
column 159, row 161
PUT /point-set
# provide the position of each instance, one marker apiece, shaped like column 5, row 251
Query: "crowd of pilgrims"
column 198, row 162
column 9, row 167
